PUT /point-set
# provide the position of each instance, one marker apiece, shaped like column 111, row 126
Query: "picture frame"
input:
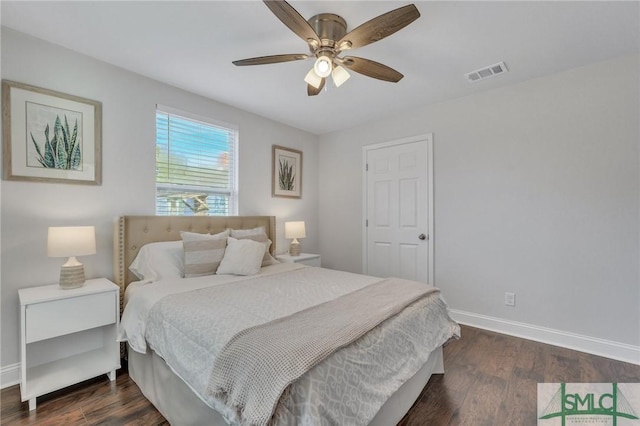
column 286, row 179
column 50, row 136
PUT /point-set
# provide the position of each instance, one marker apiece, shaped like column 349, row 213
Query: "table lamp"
column 71, row 241
column 294, row 230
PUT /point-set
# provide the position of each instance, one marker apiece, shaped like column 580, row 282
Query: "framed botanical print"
column 287, row 172
column 50, row 136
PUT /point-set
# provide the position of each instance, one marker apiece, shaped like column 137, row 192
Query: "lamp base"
column 294, row 249
column 71, row 276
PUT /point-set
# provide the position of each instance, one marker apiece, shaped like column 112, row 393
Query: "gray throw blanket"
column 258, row 364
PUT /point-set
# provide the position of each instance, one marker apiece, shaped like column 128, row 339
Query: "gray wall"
column 128, row 161
column 537, row 189
column 536, row 192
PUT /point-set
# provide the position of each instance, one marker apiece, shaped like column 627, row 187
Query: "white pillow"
column 257, row 234
column 202, row 252
column 242, row 257
column 157, row 261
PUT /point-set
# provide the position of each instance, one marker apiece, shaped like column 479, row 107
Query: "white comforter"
column 188, row 329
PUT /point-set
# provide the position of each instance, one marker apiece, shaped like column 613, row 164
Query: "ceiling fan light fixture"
column 339, row 75
column 313, row 79
column 323, row 66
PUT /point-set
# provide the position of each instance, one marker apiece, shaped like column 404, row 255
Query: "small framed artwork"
column 287, row 172
column 50, row 136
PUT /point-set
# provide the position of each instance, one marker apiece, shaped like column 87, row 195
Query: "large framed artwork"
column 50, row 136
column 287, row 172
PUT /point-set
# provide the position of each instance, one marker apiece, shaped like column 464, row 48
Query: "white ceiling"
column 191, row 45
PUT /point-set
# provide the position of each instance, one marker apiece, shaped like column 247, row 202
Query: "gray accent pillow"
column 203, row 252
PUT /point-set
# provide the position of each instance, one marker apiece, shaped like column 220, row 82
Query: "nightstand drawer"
column 58, row 317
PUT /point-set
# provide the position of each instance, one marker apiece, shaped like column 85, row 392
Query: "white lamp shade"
column 294, row 230
column 323, row 66
column 339, row 75
column 313, row 79
column 70, row 241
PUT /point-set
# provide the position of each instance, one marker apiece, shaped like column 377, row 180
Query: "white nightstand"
column 67, row 336
column 304, row 258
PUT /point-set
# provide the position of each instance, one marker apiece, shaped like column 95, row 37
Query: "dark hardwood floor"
column 491, row 379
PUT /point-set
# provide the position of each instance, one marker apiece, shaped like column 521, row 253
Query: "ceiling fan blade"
column 371, row 69
column 292, row 19
column 273, row 59
column 379, row 27
column 312, row 91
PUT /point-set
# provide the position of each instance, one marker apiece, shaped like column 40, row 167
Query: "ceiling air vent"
column 490, row 71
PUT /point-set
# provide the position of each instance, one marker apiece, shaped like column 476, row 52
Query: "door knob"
column 422, row 237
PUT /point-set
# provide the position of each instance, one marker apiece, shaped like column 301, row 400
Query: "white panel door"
column 397, row 210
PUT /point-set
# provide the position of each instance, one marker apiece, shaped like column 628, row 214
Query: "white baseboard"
column 592, row 345
column 9, row 375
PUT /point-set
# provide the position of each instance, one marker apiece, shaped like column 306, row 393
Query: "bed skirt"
column 181, row 406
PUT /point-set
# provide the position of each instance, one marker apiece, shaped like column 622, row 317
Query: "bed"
column 179, row 365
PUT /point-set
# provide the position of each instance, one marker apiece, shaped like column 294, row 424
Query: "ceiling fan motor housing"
column 329, row 27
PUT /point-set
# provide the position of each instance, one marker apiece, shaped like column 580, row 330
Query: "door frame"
column 428, row 137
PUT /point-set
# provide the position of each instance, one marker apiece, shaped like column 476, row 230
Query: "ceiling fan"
column 327, row 37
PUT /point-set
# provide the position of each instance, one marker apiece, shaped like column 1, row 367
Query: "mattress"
column 185, row 328
column 181, row 406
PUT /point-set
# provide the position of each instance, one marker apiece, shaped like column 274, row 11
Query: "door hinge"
column 366, row 167
column 366, row 223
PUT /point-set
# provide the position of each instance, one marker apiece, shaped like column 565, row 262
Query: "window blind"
column 195, row 165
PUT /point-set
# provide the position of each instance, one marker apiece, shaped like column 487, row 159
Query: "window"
column 195, row 165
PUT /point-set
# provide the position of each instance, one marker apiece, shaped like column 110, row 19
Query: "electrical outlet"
column 510, row 299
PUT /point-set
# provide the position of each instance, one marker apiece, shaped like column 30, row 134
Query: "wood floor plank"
column 482, row 403
column 440, row 407
column 481, row 354
column 491, row 379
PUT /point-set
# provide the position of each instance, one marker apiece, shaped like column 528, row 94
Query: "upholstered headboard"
column 132, row 232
